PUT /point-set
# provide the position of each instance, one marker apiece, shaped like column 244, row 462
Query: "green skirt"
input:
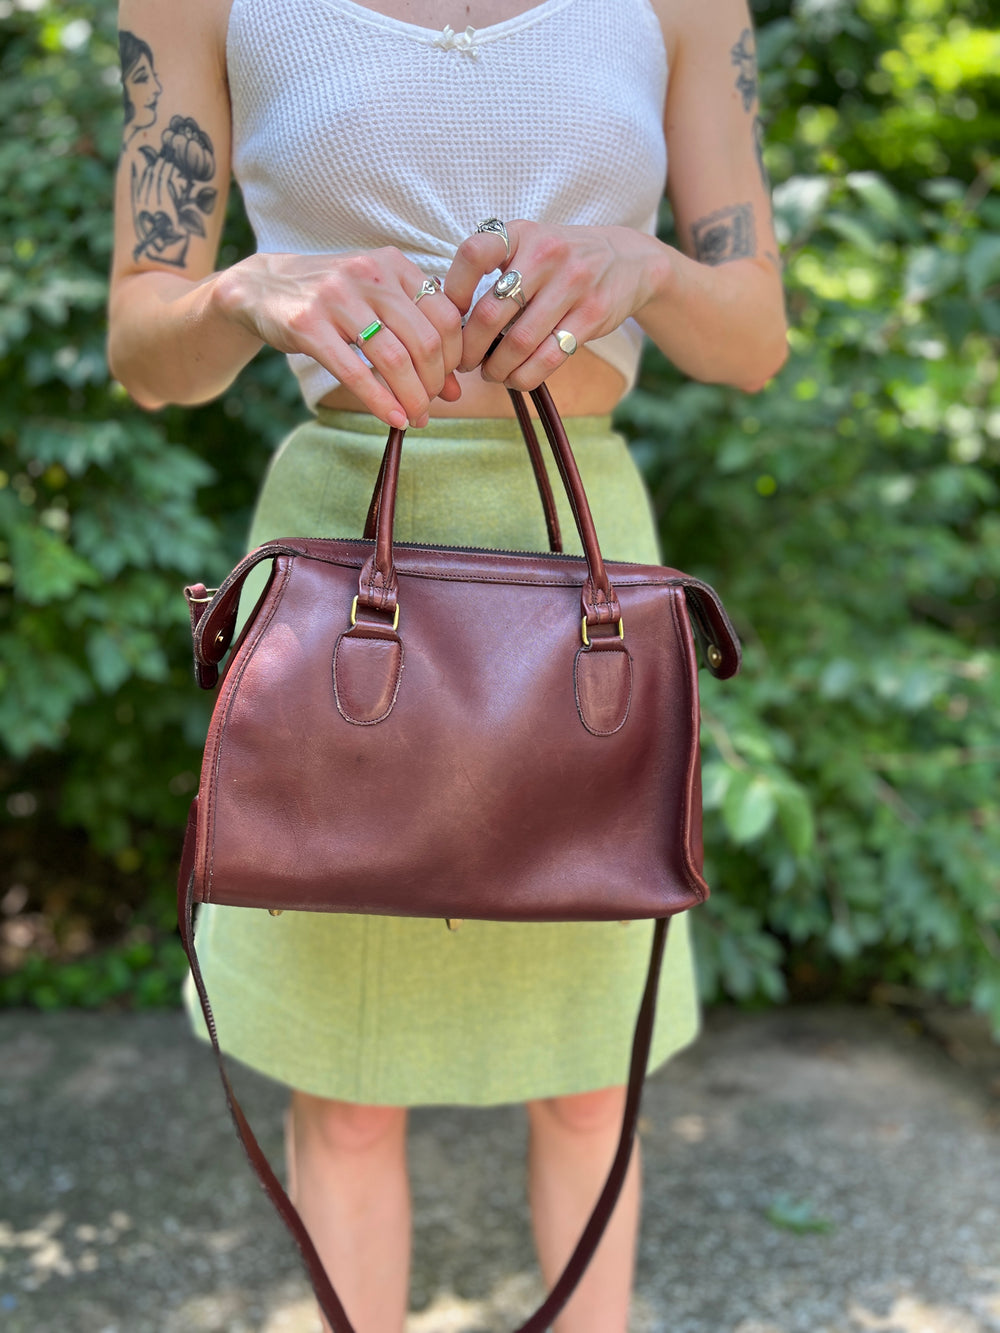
column 398, row 1011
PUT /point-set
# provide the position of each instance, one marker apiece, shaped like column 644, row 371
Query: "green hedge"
column 848, row 515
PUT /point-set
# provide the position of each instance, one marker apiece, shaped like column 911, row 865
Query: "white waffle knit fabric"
column 353, row 130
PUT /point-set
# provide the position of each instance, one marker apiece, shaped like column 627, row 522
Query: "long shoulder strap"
column 328, row 1299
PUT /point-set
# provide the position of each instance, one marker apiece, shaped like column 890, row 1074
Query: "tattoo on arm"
column 744, row 56
column 169, row 185
column 728, row 233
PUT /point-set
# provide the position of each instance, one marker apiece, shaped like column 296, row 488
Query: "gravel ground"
column 808, row 1171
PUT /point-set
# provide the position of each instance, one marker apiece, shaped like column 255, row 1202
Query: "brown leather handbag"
column 451, row 732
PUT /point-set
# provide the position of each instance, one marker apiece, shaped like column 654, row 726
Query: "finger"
column 335, row 347
column 479, row 254
column 431, row 333
column 547, row 357
column 529, row 351
column 490, row 317
column 394, row 361
column 446, row 318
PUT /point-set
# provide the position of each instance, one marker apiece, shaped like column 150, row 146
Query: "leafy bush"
column 848, row 515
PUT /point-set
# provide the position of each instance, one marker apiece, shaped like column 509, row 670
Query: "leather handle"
column 377, row 583
column 325, row 1292
column 537, row 466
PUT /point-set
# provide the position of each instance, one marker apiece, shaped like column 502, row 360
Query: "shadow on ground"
column 808, row 1171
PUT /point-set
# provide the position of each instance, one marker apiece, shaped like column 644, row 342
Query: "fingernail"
column 399, row 420
column 421, row 422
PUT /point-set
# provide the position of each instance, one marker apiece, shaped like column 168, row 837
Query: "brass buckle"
column 201, row 601
column 586, row 637
column 354, row 613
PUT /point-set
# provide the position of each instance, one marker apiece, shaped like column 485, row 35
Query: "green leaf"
column 45, row 568
column 929, row 272
column 749, row 807
column 982, row 265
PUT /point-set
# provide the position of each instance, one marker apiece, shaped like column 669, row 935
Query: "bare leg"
column 572, row 1143
column 348, row 1179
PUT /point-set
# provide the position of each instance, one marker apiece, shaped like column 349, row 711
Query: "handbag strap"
column 326, row 1294
column 377, row 584
column 537, row 466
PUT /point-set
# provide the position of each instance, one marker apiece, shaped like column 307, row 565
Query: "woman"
column 369, row 143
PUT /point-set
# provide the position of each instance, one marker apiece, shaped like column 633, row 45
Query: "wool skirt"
column 400, row 1011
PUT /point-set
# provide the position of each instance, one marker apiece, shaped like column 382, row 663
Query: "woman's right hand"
column 319, row 304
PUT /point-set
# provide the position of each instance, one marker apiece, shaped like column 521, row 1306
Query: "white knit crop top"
column 353, row 130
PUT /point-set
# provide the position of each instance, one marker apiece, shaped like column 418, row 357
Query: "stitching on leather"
column 581, row 651
column 365, row 721
column 685, row 640
column 223, row 709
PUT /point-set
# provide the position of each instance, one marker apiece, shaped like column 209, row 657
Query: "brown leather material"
column 552, row 528
column 602, row 677
column 490, row 646
column 455, row 733
column 367, row 664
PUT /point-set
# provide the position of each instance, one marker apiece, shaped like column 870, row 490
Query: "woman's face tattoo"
column 142, row 90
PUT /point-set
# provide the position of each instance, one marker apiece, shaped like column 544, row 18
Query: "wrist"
column 226, row 300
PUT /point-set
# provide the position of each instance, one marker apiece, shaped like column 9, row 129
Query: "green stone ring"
column 368, row 333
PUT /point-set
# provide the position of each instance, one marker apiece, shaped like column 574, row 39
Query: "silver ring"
column 567, row 343
column 508, row 287
column 429, row 287
column 367, row 333
column 495, row 228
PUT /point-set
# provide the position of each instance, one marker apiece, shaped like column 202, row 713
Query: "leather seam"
column 231, row 685
column 684, row 635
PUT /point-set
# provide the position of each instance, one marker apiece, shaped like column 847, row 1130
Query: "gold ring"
column 567, row 343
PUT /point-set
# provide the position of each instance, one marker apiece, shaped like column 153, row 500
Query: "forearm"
column 170, row 339
column 722, row 324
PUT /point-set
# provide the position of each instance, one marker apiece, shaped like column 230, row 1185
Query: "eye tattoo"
column 744, row 56
column 727, row 234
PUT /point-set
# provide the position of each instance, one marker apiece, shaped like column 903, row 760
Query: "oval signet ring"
column 565, row 339
column 508, row 287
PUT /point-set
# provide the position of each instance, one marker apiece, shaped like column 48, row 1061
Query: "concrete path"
column 809, row 1171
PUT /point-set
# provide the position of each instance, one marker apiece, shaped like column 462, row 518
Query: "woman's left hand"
column 580, row 280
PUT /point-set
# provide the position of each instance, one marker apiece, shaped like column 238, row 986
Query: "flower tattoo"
column 170, row 195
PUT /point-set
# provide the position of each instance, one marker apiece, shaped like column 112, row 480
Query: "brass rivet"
column 275, row 911
column 220, row 639
column 714, row 655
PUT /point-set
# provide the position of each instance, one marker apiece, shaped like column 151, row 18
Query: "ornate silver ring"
column 429, row 287
column 508, row 287
column 567, row 343
column 495, row 228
